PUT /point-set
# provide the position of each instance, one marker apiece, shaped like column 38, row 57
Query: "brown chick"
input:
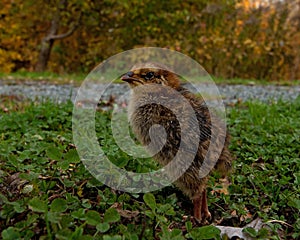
column 143, row 115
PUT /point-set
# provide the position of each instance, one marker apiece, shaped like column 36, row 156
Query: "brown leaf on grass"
column 224, row 182
column 233, row 213
column 246, row 216
column 15, row 183
column 123, row 212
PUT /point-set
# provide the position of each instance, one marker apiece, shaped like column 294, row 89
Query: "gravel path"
column 230, row 93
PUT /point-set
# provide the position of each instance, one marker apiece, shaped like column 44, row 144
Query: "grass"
column 46, row 192
column 77, row 78
column 234, row 81
column 21, row 76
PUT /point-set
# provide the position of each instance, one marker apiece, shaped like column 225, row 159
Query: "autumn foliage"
column 245, row 39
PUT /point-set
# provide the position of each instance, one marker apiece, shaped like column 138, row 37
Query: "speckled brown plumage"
column 146, row 113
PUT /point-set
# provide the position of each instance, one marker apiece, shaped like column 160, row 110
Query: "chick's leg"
column 197, row 202
column 204, row 209
column 201, row 212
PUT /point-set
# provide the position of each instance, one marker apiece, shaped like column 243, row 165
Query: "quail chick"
column 144, row 112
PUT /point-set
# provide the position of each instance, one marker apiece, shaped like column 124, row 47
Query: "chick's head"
column 151, row 73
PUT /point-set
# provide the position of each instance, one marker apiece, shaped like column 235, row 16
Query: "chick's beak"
column 127, row 77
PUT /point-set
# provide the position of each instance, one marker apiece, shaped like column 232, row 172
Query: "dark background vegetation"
column 244, row 39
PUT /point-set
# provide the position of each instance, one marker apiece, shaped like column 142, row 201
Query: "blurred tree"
column 59, row 10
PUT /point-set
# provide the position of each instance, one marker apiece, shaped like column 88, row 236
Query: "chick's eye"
column 149, row 75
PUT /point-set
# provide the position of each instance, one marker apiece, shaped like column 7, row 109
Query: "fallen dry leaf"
column 231, row 232
column 246, row 216
column 224, row 182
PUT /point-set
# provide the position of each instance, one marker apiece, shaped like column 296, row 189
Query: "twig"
column 281, row 222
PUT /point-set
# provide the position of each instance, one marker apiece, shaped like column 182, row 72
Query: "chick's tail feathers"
column 223, row 165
